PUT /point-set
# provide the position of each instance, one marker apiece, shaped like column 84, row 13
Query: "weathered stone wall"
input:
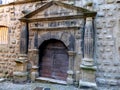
column 107, row 23
column 9, row 16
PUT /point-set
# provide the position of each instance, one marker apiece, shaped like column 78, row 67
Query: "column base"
column 69, row 78
column 69, row 81
column 20, row 77
column 94, row 68
column 84, row 84
column 34, row 73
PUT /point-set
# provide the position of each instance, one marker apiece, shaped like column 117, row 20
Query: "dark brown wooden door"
column 54, row 61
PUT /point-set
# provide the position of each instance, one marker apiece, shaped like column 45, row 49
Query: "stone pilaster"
column 20, row 75
column 87, row 66
column 71, row 65
column 34, row 69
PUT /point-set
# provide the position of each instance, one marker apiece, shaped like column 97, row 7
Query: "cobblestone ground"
column 34, row 86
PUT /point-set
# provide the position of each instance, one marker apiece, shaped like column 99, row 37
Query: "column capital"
column 71, row 53
column 36, row 51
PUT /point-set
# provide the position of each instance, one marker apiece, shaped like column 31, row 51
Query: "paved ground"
column 34, row 86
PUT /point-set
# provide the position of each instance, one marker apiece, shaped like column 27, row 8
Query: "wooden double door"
column 54, row 61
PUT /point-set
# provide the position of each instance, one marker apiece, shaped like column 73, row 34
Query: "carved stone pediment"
column 55, row 10
column 56, row 15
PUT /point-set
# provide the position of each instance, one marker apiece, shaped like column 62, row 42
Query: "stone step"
column 49, row 80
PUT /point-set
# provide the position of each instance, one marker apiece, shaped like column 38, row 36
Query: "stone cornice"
column 20, row 2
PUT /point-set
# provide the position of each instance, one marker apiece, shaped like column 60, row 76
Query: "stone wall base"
column 20, row 77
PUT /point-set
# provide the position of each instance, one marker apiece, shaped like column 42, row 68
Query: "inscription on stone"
column 54, row 24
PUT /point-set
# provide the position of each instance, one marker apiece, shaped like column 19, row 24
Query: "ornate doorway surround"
column 65, row 23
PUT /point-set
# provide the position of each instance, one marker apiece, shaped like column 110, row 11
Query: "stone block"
column 20, row 77
column 110, row 1
column 101, row 14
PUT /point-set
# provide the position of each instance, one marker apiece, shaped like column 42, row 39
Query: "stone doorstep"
column 51, row 80
column 2, row 80
column 87, row 84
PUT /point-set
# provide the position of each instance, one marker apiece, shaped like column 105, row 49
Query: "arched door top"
column 65, row 37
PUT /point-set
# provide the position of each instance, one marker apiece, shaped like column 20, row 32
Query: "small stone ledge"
column 20, row 74
column 19, row 61
column 88, row 67
column 87, row 85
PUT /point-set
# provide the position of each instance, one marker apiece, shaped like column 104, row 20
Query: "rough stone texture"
column 107, row 45
column 9, row 16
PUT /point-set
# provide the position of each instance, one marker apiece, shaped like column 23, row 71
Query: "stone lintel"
column 88, row 67
column 87, row 84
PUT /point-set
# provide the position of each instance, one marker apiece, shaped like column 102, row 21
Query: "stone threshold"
column 49, row 80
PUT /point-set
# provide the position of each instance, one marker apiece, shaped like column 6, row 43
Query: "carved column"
column 71, row 65
column 34, row 58
column 21, row 75
column 88, row 67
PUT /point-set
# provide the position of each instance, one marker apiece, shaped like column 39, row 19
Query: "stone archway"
column 66, row 37
column 53, row 59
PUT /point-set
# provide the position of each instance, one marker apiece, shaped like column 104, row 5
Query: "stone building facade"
column 66, row 42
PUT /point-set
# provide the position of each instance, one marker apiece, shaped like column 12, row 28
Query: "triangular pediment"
column 56, row 9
